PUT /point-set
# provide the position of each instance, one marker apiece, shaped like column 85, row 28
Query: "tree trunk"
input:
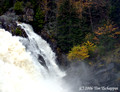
column 91, row 22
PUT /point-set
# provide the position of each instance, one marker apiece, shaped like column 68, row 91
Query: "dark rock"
column 42, row 61
column 28, row 15
column 51, row 17
column 8, row 22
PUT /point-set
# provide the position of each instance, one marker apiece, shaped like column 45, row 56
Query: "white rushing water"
column 20, row 67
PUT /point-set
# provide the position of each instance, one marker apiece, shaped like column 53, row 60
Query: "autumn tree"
column 82, row 51
column 78, row 53
column 107, row 34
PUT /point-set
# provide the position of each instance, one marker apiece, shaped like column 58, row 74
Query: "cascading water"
column 21, row 69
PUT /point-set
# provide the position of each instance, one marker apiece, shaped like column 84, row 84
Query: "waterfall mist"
column 21, row 68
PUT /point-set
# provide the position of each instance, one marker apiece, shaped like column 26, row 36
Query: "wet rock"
column 42, row 61
column 8, row 22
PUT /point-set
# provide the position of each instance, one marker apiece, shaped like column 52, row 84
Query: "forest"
column 82, row 29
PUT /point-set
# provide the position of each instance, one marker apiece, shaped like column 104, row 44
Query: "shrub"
column 78, row 52
column 17, row 31
column 82, row 52
column 90, row 46
column 18, row 7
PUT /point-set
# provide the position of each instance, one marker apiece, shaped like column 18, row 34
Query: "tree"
column 114, row 11
column 94, row 11
column 18, row 7
column 4, row 6
column 69, row 31
column 107, row 34
column 39, row 18
column 78, row 53
column 82, row 52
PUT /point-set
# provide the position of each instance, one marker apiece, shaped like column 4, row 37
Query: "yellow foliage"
column 96, row 39
column 117, row 33
column 81, row 52
column 78, row 52
column 90, row 46
column 108, row 29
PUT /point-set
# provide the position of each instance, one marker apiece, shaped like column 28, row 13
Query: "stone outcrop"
column 8, row 21
column 28, row 15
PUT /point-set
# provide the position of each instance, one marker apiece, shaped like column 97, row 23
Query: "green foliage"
column 114, row 11
column 90, row 46
column 70, row 32
column 17, row 31
column 18, row 7
column 39, row 18
column 4, row 6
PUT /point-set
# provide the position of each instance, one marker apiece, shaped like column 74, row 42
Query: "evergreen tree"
column 18, row 7
column 4, row 6
column 39, row 18
column 69, row 31
column 115, row 11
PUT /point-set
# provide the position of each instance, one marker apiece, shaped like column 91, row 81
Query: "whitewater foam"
column 20, row 69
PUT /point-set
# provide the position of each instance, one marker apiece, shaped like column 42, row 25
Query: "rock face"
column 50, row 17
column 8, row 21
column 28, row 15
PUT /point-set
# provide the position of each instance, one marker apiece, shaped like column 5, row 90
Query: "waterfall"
column 28, row 64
